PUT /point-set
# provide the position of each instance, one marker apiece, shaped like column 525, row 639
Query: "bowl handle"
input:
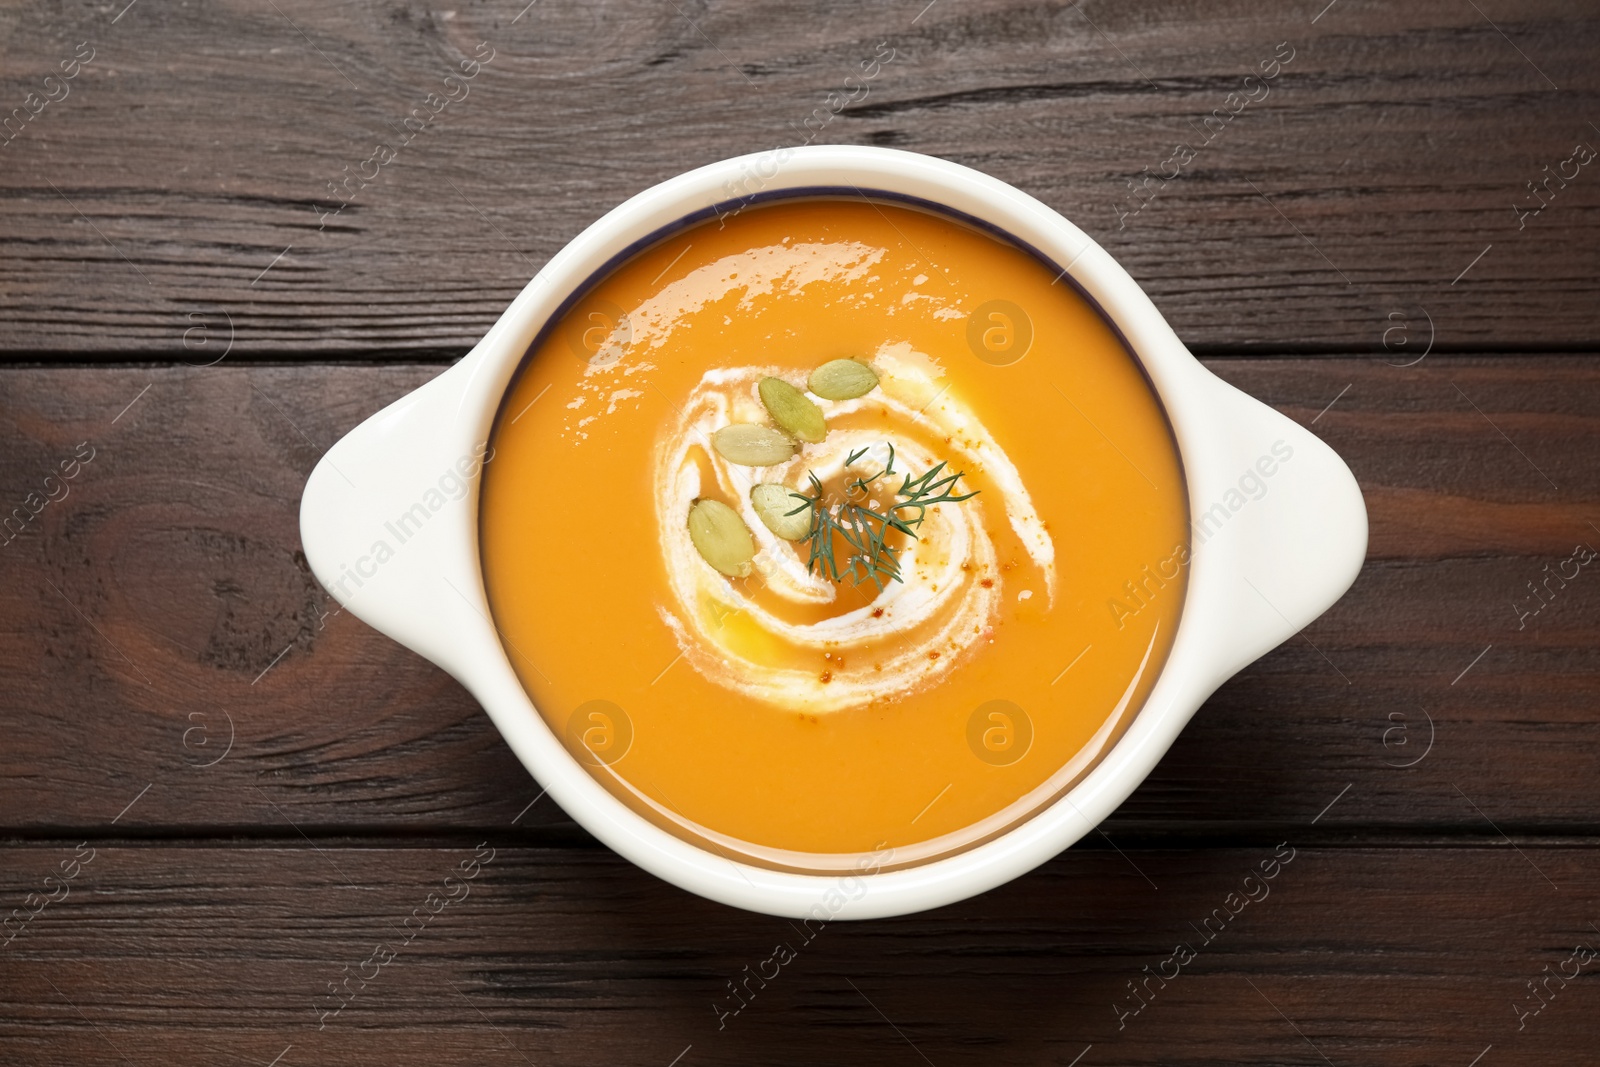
column 1278, row 526
column 388, row 521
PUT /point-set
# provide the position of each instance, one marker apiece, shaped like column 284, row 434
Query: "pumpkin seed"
column 752, row 445
column 721, row 537
column 791, row 409
column 843, row 379
column 773, row 503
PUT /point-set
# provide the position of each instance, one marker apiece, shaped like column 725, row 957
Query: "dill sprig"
column 865, row 531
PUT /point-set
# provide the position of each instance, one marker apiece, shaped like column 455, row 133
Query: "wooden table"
column 221, row 794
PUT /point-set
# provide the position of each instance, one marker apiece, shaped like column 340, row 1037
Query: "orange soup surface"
column 892, row 606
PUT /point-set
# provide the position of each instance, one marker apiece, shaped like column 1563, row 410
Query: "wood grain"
column 163, row 608
column 270, row 789
column 201, row 954
column 179, row 193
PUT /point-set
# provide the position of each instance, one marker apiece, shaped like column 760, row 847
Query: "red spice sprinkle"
column 877, row 613
column 987, row 583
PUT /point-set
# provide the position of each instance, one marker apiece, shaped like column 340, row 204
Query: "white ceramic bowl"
column 1258, row 573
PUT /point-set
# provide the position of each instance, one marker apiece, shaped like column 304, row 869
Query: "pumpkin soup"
column 834, row 526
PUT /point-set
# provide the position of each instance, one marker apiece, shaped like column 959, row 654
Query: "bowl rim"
column 1316, row 517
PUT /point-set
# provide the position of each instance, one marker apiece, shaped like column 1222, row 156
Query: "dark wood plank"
column 271, row 790
column 176, row 193
column 164, row 598
column 205, row 955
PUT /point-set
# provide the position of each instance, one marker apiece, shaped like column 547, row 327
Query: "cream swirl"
column 789, row 636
